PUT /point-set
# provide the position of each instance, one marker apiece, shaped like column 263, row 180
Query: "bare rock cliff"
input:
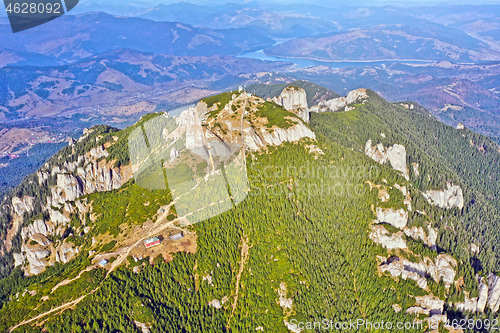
column 294, row 99
column 450, row 197
column 396, row 155
column 90, row 173
column 337, row 104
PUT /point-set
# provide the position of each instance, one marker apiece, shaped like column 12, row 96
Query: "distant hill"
column 71, row 38
column 36, row 91
column 8, row 57
column 270, row 21
column 388, row 42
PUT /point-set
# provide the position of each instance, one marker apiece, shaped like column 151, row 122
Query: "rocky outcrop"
column 381, row 236
column 396, row 155
column 58, row 218
column 173, row 154
column 427, row 305
column 94, row 177
column 450, row 197
column 41, row 239
column 36, row 258
column 18, row 259
column 489, row 296
column 66, row 252
column 397, row 218
column 419, row 233
column 142, row 326
column 280, row 135
column 468, row 305
column 294, row 99
column 493, row 292
column 193, row 124
column 86, row 174
column 483, row 295
column 443, row 268
column 22, row 205
column 337, row 104
column 37, row 227
column 416, row 169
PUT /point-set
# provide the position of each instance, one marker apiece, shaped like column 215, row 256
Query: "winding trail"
column 244, row 260
column 63, row 307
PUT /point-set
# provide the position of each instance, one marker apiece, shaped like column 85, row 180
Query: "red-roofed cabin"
column 150, row 242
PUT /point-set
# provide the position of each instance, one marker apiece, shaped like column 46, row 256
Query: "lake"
column 334, row 64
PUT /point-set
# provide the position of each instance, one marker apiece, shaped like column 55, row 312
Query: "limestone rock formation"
column 419, row 233
column 93, row 177
column 428, row 305
column 192, row 122
column 66, row 252
column 36, row 257
column 397, row 218
column 483, row 295
column 22, row 205
column 40, row 239
column 396, row 155
column 450, row 197
column 280, row 135
column 442, row 268
column 294, row 99
column 381, row 236
column 469, row 304
column 493, row 292
column 37, row 227
column 337, row 104
column 489, row 296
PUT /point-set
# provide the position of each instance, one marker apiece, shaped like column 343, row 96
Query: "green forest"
column 301, row 231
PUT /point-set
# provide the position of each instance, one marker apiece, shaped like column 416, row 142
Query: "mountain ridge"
column 395, row 239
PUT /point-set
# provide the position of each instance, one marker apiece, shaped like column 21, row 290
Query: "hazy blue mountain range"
column 269, row 20
column 389, row 42
column 72, row 38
